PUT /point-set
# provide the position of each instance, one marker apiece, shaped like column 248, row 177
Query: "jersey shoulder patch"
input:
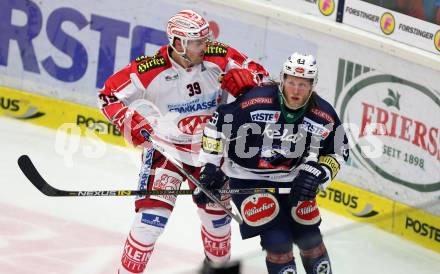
column 147, row 63
column 214, row 48
column 259, row 97
column 324, row 111
column 148, row 67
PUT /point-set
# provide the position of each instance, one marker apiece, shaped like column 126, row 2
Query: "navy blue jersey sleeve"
column 333, row 148
column 215, row 134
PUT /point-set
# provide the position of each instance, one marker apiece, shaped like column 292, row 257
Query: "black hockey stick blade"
column 29, row 170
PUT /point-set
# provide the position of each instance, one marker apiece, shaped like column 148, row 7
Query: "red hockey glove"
column 134, row 127
column 130, row 123
column 237, row 81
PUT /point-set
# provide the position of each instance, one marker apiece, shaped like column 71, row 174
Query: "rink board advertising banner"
column 323, row 8
column 362, row 206
column 392, row 128
column 388, row 23
column 357, row 204
column 58, row 115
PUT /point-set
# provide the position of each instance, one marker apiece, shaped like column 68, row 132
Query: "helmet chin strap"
column 183, row 53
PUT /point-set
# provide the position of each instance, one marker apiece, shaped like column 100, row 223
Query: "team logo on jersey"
column 150, row 63
column 315, row 128
column 270, row 154
column 273, row 152
column 259, row 209
column 193, row 125
column 265, row 116
column 154, row 220
column 306, row 212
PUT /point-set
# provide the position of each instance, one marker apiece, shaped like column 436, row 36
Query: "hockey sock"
column 280, row 263
column 316, row 260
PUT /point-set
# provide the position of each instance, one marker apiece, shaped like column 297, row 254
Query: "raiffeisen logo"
column 437, row 40
column 387, row 23
column 326, row 7
column 393, row 128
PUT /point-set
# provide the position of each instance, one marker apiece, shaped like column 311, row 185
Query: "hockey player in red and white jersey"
column 171, row 95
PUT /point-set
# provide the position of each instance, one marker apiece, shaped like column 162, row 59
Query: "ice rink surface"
column 47, row 235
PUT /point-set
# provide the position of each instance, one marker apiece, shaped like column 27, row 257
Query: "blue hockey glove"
column 306, row 183
column 213, row 179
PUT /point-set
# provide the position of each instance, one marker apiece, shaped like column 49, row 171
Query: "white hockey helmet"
column 187, row 25
column 300, row 65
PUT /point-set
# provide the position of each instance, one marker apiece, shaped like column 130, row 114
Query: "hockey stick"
column 28, row 168
column 189, row 176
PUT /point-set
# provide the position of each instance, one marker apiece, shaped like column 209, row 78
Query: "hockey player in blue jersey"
column 280, row 135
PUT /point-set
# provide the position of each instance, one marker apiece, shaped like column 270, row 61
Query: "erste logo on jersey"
column 195, row 105
column 315, row 128
column 259, row 209
column 306, row 212
column 193, row 125
column 266, row 116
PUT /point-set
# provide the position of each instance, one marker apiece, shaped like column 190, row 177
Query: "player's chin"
column 197, row 60
column 294, row 102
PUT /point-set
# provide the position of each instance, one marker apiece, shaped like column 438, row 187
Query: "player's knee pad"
column 316, row 260
column 280, row 263
column 306, row 237
column 157, row 173
column 148, row 225
column 216, row 236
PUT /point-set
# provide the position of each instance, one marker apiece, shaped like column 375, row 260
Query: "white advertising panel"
column 322, row 8
column 397, row 26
